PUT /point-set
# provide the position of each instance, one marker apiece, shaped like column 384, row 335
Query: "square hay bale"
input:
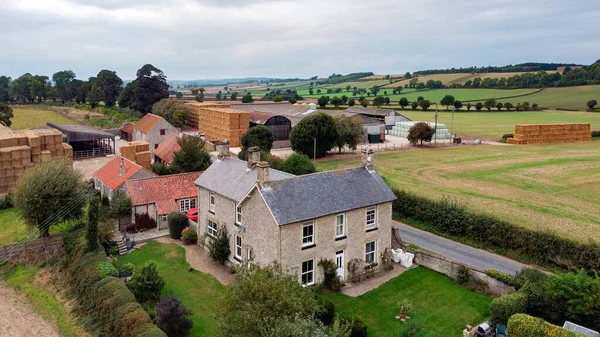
column 48, row 139
column 46, row 155
column 58, row 138
column 8, row 141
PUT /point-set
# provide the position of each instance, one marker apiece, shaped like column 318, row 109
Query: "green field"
column 493, row 124
column 543, row 187
column 12, row 228
column 442, row 307
column 565, row 98
column 198, row 291
column 34, row 118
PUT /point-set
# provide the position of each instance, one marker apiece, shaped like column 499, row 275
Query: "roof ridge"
column 165, row 176
column 131, row 161
column 318, row 173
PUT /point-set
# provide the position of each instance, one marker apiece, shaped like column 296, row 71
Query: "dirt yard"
column 18, row 319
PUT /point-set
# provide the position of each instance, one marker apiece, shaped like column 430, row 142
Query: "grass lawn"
column 198, row 291
column 12, row 228
column 542, row 187
column 34, row 118
column 43, row 300
column 441, row 306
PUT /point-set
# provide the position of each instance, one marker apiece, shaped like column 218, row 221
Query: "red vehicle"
column 193, row 214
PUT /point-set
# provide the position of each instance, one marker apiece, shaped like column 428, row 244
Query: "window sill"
column 309, row 246
column 340, row 238
column 370, row 230
column 238, row 259
column 211, row 212
column 306, row 285
column 212, row 236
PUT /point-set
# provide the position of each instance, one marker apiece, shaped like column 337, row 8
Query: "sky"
column 194, row 39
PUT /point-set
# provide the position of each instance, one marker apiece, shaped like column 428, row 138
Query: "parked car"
column 193, row 214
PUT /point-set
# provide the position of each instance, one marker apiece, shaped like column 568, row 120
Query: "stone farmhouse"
column 153, row 129
column 296, row 220
column 113, row 175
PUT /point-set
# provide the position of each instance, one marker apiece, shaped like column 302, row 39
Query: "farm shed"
column 85, row 140
column 279, row 125
column 388, row 116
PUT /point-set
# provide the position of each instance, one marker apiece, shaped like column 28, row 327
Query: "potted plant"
column 404, row 306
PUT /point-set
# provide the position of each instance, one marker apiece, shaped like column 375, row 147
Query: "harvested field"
column 542, row 187
column 449, row 79
column 35, row 118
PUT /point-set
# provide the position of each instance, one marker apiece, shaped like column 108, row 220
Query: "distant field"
column 493, row 124
column 33, row 118
column 543, row 187
column 566, row 98
column 358, row 84
column 448, row 79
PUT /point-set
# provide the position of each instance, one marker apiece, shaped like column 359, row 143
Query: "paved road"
column 458, row 252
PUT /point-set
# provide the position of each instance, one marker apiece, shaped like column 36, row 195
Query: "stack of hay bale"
column 401, row 129
column 550, row 133
column 21, row 149
column 219, row 122
column 138, row 152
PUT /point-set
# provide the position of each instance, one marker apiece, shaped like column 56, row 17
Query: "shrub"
column 177, row 222
column 127, row 270
column 189, row 236
column 463, row 275
column 298, row 164
column 596, row 133
column 357, row 327
column 354, row 269
column 218, row 247
column 502, row 308
column 107, row 269
column 506, row 136
column 146, row 284
column 521, row 325
column 161, row 169
column 500, row 276
column 173, row 317
column 144, row 220
column 331, row 280
column 327, row 315
column 411, row 328
column 260, row 136
column 7, row 202
column 92, row 226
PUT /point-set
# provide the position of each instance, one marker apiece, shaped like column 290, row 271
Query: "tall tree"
column 420, row 132
column 111, row 85
column 317, row 127
column 447, row 101
column 403, row 102
column 95, row 96
column 40, row 87
column 149, row 87
column 490, row 103
column 20, row 88
column 6, row 113
column 63, row 85
column 4, row 85
column 350, row 130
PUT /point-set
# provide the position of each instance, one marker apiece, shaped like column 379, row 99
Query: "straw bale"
column 8, row 141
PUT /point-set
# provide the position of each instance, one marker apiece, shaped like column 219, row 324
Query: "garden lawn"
column 442, row 307
column 554, row 187
column 198, row 291
column 12, row 228
column 34, row 118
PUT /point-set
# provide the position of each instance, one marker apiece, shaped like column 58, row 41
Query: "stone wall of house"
column 154, row 137
column 326, row 244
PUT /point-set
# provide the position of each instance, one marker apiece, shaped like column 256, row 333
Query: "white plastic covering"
column 404, row 258
column 401, row 129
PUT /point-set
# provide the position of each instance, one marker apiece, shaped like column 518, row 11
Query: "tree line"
column 522, row 67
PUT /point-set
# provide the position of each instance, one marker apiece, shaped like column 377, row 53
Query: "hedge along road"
column 477, row 258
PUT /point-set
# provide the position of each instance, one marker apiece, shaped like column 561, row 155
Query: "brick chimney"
column 367, row 159
column 253, row 156
column 262, row 174
column 123, row 169
column 223, row 149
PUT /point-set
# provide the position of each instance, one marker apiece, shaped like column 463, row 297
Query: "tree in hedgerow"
column 425, row 104
column 478, row 106
column 247, row 98
column 403, row 102
column 490, row 103
column 526, row 106
column 94, row 96
column 322, row 101
column 6, row 113
column 261, row 300
column 48, row 194
column 146, row 284
column 508, row 106
column 278, row 98
column 351, row 102
column 91, row 234
column 350, row 130
column 298, row 164
column 469, row 106
column 414, row 105
column 499, row 106
column 260, row 136
column 336, row 101
column 172, row 317
column 317, row 127
column 534, row 106
column 447, row 101
column 192, row 157
column 218, row 247
column 364, row 102
column 457, row 104
column 378, row 101
column 591, row 104
column 420, row 132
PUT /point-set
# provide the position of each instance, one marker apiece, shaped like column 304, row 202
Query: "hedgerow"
column 500, row 276
column 502, row 308
column 521, row 325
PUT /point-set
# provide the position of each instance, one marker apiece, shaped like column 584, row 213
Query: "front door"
column 339, row 260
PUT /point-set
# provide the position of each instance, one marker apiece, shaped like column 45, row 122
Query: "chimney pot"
column 223, row 149
column 262, row 174
column 253, row 156
column 123, row 170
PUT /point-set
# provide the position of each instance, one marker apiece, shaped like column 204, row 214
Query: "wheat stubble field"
column 543, row 187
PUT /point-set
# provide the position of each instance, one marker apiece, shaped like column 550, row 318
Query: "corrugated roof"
column 163, row 191
column 147, row 123
column 257, row 117
column 231, row 178
column 110, row 174
column 315, row 195
column 167, row 148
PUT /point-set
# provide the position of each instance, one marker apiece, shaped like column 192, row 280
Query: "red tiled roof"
column 110, row 174
column 128, row 128
column 163, row 191
column 147, row 123
column 166, row 149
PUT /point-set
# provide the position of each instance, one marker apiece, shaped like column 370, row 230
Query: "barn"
column 279, row 125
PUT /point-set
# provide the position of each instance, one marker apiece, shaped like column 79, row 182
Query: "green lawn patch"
column 12, row 228
column 441, row 306
column 198, row 291
column 35, row 118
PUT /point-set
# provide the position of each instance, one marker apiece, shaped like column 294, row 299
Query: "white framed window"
column 238, row 247
column 187, row 204
column 238, row 214
column 211, row 228
column 370, row 252
column 211, row 202
column 308, row 272
column 371, row 217
column 340, row 225
column 308, row 234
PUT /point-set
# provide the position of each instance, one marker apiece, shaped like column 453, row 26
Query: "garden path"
column 355, row 290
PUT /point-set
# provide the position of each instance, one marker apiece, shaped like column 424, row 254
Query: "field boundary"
column 51, row 244
column 515, row 96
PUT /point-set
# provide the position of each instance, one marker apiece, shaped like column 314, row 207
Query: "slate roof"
column 110, row 173
column 231, row 178
column 147, row 123
column 315, row 195
column 163, row 191
column 165, row 150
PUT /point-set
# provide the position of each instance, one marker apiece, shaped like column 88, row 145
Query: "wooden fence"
column 49, row 244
